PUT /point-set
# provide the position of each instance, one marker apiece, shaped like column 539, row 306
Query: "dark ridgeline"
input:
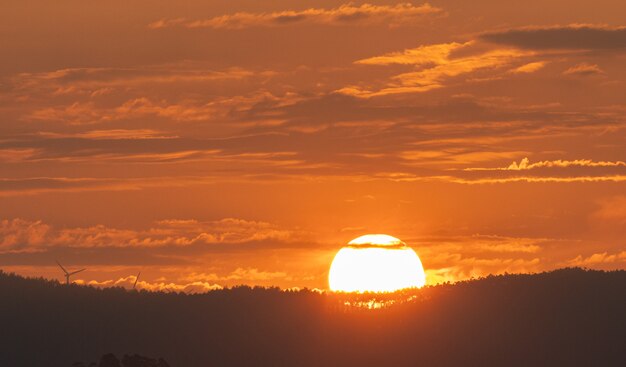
column 140, row 361
column 110, row 360
column 569, row 317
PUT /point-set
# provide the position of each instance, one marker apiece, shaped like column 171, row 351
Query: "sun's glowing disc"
column 375, row 263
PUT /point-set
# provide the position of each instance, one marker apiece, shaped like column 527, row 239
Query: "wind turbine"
column 136, row 279
column 68, row 274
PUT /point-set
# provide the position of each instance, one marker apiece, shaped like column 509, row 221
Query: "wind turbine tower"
column 68, row 274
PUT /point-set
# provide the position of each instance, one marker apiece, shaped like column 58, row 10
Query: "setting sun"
column 375, row 263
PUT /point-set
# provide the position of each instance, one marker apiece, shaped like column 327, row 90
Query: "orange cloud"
column 409, row 177
column 17, row 155
column 39, row 185
column 128, row 282
column 134, row 134
column 612, row 212
column 506, row 244
column 346, row 14
column 529, row 68
column 76, row 113
column 89, row 113
column 92, row 96
column 481, row 244
column 19, row 233
column 493, row 180
column 71, row 80
column 583, row 69
column 451, row 156
column 424, row 55
column 436, row 64
column 525, row 164
column 251, row 275
column 470, row 267
column 181, row 112
column 599, row 259
column 23, row 235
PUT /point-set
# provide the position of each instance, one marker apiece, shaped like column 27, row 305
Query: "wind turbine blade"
column 77, row 271
column 136, row 279
column 58, row 263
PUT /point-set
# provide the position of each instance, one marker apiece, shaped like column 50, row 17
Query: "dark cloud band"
column 567, row 37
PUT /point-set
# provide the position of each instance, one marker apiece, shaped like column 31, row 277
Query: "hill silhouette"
column 568, row 317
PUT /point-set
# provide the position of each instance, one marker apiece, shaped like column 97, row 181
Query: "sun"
column 375, row 263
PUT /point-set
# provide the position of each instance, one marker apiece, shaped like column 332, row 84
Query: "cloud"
column 529, row 68
column 471, row 267
column 37, row 185
column 584, row 69
column 194, row 287
column 346, row 14
column 506, row 244
column 18, row 234
column 424, row 55
column 482, row 180
column 146, row 146
column 17, row 155
column 227, row 230
column 195, row 282
column 612, row 212
column 40, row 185
column 533, row 179
column 457, row 257
column 71, row 80
column 599, row 259
column 572, row 37
column 242, row 275
column 545, row 178
column 450, row 157
column 113, row 96
column 482, row 244
column 131, row 134
column 145, row 107
column 89, row 113
column 525, row 164
column 436, row 65
column 25, row 235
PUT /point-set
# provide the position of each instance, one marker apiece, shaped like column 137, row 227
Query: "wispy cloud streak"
column 525, row 164
column 347, row 14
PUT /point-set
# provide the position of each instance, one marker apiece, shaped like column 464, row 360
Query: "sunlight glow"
column 375, row 263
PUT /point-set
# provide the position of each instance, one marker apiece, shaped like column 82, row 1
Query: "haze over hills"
column 568, row 317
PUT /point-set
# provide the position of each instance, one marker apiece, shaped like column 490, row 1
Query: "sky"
column 212, row 143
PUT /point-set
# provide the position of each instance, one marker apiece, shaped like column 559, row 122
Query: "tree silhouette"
column 109, row 360
column 568, row 317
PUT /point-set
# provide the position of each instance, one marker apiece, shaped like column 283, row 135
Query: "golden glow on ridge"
column 375, row 263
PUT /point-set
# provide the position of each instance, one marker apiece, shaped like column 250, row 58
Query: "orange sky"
column 210, row 143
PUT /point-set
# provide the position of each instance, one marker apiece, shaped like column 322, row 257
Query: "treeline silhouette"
column 135, row 360
column 568, row 317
